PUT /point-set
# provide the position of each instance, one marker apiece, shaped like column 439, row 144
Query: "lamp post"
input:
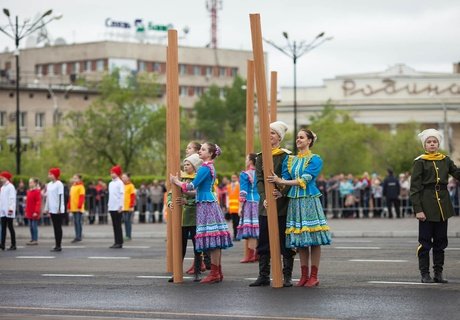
column 295, row 51
column 17, row 32
column 445, row 123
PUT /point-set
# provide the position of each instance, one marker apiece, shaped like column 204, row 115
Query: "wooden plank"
column 273, row 96
column 261, row 87
column 173, row 150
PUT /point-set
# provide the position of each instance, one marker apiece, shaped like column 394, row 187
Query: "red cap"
column 117, row 170
column 6, row 175
column 56, row 172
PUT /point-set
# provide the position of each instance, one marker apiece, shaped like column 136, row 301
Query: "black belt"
column 436, row 187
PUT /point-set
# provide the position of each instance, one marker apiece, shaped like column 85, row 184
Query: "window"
column 197, row 70
column 222, row 72
column 199, row 91
column 209, row 71
column 64, row 68
column 51, row 69
column 182, row 69
column 222, row 93
column 142, row 66
column 88, row 66
column 76, row 67
column 40, row 120
column 183, row 92
column 156, row 67
column 23, row 120
column 39, row 70
column 2, row 119
column 100, row 65
column 234, row 72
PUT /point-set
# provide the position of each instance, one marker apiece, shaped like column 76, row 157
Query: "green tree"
column 235, row 104
column 211, row 114
column 115, row 129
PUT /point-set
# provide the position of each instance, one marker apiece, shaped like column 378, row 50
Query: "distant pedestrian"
column 115, row 205
column 128, row 203
column 377, row 196
column 233, row 204
column 156, row 195
column 33, row 209
column 7, row 209
column 391, row 190
column 76, row 205
column 431, row 202
column 54, row 205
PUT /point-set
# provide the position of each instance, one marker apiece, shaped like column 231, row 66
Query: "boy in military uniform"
column 277, row 131
column 431, row 203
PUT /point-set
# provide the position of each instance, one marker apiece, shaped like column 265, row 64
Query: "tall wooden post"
column 249, row 119
column 250, row 108
column 273, row 96
column 169, row 242
column 173, row 150
column 261, row 87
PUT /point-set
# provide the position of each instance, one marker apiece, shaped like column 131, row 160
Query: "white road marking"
column 357, row 248
column 352, row 241
column 110, row 258
column 67, row 275
column 158, row 277
column 35, row 257
column 189, row 258
column 254, row 279
column 371, row 260
column 136, row 247
column 453, row 249
column 402, row 283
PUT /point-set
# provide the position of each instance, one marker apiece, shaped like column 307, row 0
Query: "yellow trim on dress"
column 307, row 229
column 302, row 183
column 436, row 191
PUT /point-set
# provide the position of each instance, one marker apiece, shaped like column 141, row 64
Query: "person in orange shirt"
column 76, row 205
column 128, row 204
column 233, row 203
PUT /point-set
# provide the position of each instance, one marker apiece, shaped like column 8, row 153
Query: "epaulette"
column 286, row 150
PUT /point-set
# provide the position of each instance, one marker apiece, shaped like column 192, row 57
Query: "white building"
column 385, row 99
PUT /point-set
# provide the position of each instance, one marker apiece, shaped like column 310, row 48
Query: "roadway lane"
column 361, row 278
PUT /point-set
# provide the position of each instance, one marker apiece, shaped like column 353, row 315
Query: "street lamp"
column 294, row 51
column 445, row 123
column 17, row 32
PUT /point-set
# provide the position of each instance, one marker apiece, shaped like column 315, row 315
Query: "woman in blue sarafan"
column 211, row 229
column 306, row 225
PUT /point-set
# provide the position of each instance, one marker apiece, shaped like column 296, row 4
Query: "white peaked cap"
column 280, row 128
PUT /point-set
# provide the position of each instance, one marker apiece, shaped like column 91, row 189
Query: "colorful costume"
column 211, row 228
column 249, row 221
column 306, row 223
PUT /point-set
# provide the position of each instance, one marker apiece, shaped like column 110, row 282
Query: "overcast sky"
column 368, row 35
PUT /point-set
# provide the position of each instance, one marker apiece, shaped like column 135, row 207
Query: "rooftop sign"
column 139, row 25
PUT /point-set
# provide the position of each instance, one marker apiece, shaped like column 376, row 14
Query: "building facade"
column 387, row 99
column 49, row 77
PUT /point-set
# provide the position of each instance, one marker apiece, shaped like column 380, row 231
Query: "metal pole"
column 294, row 59
column 18, row 113
column 446, row 128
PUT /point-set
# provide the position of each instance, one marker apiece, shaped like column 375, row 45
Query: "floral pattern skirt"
column 211, row 228
column 249, row 221
column 306, row 224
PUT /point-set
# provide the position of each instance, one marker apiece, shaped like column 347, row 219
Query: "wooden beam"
column 261, row 87
column 169, row 245
column 249, row 121
column 173, row 150
column 273, row 96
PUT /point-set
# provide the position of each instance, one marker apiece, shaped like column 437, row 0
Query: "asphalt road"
column 361, row 278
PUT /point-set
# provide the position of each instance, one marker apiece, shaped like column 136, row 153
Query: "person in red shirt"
column 33, row 209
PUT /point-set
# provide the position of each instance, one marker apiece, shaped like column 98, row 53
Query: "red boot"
column 248, row 256
column 221, row 275
column 313, row 281
column 304, row 278
column 191, row 270
column 214, row 275
column 253, row 256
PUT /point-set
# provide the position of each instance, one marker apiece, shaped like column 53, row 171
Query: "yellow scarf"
column 277, row 151
column 433, row 156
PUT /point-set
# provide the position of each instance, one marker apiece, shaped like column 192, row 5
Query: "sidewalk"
column 340, row 228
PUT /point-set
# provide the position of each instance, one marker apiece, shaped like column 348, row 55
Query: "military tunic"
column 428, row 190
